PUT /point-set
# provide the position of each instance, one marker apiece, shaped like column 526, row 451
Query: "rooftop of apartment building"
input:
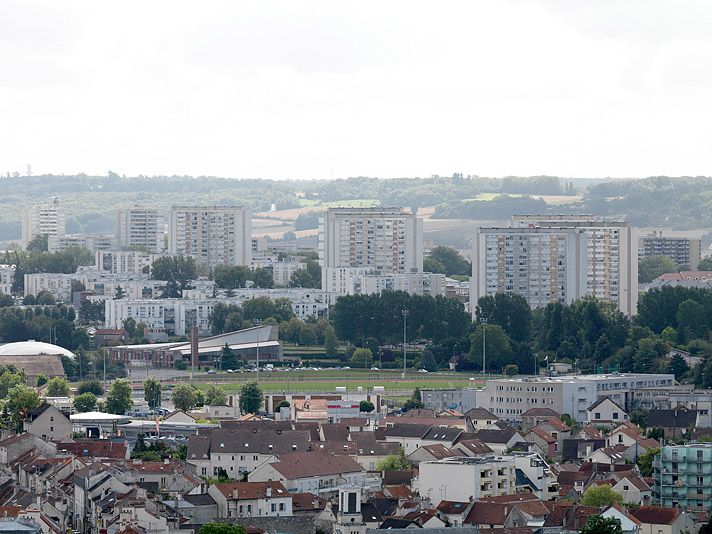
column 579, row 378
column 472, row 460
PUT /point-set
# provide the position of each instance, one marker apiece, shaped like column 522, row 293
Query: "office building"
column 557, row 259
column 140, row 228
column 682, row 477
column 684, row 251
column 42, row 219
column 385, row 240
column 212, row 235
column 509, row 398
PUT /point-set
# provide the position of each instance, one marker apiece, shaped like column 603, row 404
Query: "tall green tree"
column 152, row 392
column 497, row 347
column 58, row 387
column 178, row 271
column 653, row 266
column 118, row 400
column 511, row 312
column 221, row 528
column 448, row 261
column 215, row 396
column 645, row 461
column 21, row 400
column 251, row 397
column 601, row 496
column 184, row 397
column 597, row 524
column 86, row 402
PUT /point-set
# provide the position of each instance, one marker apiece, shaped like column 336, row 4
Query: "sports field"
column 326, row 381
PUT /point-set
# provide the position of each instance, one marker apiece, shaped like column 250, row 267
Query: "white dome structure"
column 33, row 348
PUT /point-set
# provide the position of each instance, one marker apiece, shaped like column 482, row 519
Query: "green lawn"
column 326, row 381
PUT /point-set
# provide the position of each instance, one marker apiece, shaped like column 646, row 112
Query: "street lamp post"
column 405, row 320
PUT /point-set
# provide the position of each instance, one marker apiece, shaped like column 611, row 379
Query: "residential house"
column 453, row 512
column 676, row 423
column 168, row 476
column 12, row 448
column 242, row 451
column 608, row 455
column 499, row 440
column 472, row 447
column 557, row 429
column 605, row 412
column 629, row 523
column 251, row 499
column 315, row 472
column 545, row 442
column 633, row 489
column 428, row 453
column 660, row 520
column 479, row 419
column 578, row 449
column 412, row 436
column 533, row 416
column 48, row 423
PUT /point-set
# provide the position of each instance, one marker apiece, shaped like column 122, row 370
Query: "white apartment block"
column 361, row 281
column 140, row 228
column 42, row 219
column 7, row 275
column 123, row 261
column 558, row 259
column 91, row 242
column 509, row 398
column 282, row 271
column 386, row 240
column 466, row 478
column 100, row 284
column 176, row 316
column 212, row 235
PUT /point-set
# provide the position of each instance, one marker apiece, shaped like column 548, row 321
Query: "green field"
column 326, row 381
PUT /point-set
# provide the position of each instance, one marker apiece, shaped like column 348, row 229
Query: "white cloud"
column 401, row 88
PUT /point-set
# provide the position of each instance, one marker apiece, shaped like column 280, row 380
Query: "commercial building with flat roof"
column 509, row 398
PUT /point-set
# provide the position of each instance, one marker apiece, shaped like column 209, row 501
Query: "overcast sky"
column 314, row 89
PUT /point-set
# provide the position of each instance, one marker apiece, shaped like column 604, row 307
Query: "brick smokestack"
column 194, row 347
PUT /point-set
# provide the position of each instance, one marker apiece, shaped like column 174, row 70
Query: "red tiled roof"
column 655, row 515
column 251, row 490
column 308, row 464
column 558, row 424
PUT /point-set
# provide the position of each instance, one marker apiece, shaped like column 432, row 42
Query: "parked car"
column 230, row 371
column 422, row 370
column 212, row 371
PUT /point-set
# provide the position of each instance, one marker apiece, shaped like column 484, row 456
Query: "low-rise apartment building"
column 682, row 477
column 320, row 473
column 464, row 479
column 364, row 281
column 241, row 451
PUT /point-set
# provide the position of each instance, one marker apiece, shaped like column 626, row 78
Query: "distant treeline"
column 90, row 201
